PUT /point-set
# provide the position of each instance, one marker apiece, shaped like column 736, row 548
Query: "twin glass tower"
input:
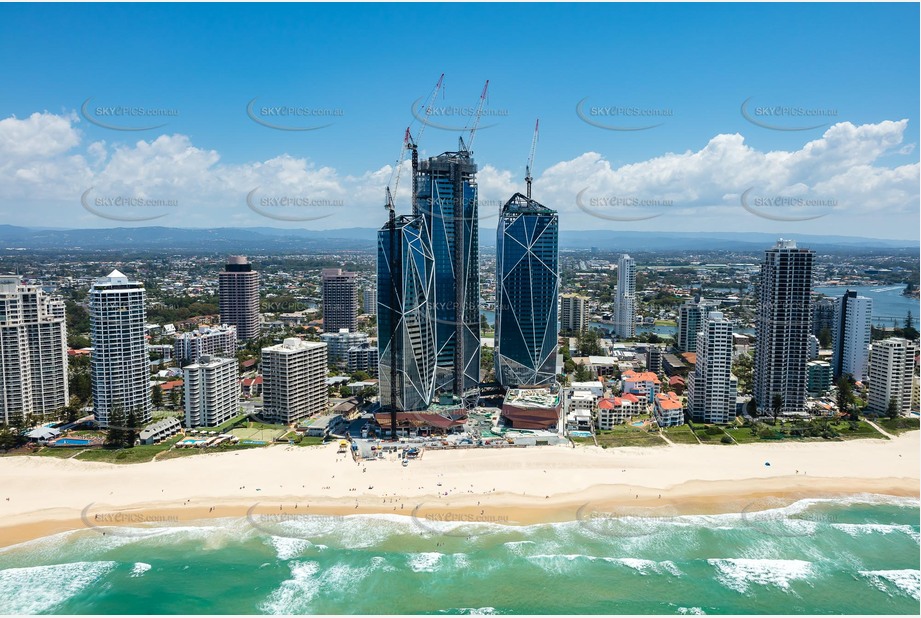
column 429, row 291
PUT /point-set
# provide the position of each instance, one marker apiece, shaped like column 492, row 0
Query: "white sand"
column 43, row 494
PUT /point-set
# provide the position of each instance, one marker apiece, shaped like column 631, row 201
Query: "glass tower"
column 405, row 315
column 527, row 282
column 446, row 199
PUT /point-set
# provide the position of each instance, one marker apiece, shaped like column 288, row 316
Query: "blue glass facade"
column 405, row 314
column 527, row 290
column 446, row 199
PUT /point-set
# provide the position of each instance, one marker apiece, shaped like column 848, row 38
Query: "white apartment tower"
column 119, row 365
column 625, row 302
column 711, row 392
column 212, row 391
column 188, row 348
column 370, row 300
column 892, row 367
column 33, row 351
column 294, row 380
column 572, row 313
column 851, row 335
column 782, row 325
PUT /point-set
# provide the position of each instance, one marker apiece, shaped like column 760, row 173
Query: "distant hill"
column 270, row 239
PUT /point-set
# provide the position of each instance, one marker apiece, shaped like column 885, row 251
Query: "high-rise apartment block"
column 238, row 288
column 33, row 351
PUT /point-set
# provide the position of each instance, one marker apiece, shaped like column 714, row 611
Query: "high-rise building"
column 238, row 288
column 527, row 290
column 212, row 391
column 691, row 315
column 782, row 328
column 362, row 357
column 823, row 315
column 340, row 300
column 892, row 366
column 33, row 351
column 293, row 380
column 119, row 365
column 813, row 347
column 405, row 315
column 370, row 300
column 654, row 359
column 338, row 344
column 446, row 198
column 221, row 340
column 851, row 340
column 711, row 395
column 573, row 317
column 625, row 302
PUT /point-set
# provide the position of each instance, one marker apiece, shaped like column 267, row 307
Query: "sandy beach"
column 40, row 496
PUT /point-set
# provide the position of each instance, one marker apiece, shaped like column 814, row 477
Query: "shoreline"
column 41, row 497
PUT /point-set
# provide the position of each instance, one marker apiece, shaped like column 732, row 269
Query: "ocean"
column 857, row 555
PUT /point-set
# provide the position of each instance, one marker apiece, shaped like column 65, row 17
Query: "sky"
column 674, row 117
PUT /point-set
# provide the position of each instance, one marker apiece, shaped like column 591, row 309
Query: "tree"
column 174, row 396
column 845, row 397
column 825, row 338
column 776, row 405
column 115, row 435
column 129, row 435
column 909, row 331
column 157, row 396
column 582, row 373
column 892, row 410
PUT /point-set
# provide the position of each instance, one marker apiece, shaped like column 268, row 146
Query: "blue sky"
column 855, row 63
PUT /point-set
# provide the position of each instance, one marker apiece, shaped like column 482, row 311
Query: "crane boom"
column 527, row 176
column 476, row 121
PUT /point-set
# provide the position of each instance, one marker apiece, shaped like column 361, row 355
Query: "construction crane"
column 527, row 175
column 413, row 144
column 476, row 122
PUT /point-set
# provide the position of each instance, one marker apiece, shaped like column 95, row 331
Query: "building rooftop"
column 532, row 398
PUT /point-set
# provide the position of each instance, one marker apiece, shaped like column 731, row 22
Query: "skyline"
column 860, row 165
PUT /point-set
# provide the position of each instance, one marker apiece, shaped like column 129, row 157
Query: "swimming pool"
column 638, row 423
column 580, row 434
column 71, row 442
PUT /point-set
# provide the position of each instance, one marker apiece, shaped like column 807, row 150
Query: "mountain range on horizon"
column 229, row 239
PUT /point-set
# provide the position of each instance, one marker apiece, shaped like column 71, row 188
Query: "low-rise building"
column 818, row 379
column 532, row 408
column 668, row 410
column 616, row 410
column 160, row 430
column 644, row 385
column 325, row 426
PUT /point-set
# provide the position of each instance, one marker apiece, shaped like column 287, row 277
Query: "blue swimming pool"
column 580, row 434
column 71, row 442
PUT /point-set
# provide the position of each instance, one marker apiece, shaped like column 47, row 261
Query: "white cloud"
column 44, row 161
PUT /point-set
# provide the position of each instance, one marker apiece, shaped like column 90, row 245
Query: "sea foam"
column 739, row 573
column 34, row 590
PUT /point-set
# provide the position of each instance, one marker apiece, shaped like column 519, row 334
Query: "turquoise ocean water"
column 856, row 555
